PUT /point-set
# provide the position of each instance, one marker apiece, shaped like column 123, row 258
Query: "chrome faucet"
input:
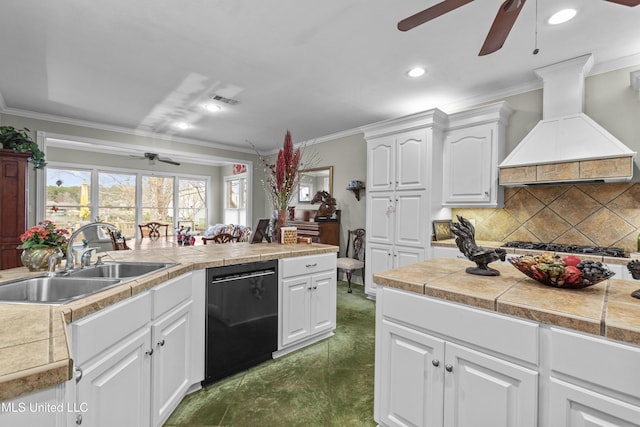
column 53, row 260
column 70, row 259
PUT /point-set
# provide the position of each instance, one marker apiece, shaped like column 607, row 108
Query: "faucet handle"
column 99, row 261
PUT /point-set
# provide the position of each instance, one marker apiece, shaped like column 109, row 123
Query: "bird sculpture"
column 466, row 241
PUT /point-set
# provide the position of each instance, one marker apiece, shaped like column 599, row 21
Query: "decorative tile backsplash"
column 589, row 214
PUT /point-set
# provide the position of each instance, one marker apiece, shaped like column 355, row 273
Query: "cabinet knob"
column 315, row 287
column 435, row 362
column 149, row 352
column 79, row 419
column 161, row 343
column 448, row 368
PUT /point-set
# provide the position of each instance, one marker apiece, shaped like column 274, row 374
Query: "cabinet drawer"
column 170, row 294
column 307, row 265
column 596, row 360
column 508, row 336
column 94, row 334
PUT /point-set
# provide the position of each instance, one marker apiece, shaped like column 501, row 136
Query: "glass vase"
column 37, row 259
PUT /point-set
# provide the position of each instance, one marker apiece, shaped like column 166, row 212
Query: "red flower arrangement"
column 43, row 235
column 282, row 177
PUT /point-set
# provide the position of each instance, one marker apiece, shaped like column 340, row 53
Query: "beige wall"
column 83, row 132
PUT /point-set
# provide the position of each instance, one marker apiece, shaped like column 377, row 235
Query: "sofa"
column 241, row 233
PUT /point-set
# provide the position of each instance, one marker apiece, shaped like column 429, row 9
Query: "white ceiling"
column 314, row 67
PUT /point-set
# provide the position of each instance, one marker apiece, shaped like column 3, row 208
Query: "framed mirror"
column 314, row 180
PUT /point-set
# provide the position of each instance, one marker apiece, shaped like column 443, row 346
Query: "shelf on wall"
column 356, row 191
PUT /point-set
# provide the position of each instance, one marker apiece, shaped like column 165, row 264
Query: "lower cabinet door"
column 378, row 259
column 115, row 387
column 409, row 386
column 481, row 390
column 170, row 338
column 574, row 406
column 296, row 293
column 323, row 302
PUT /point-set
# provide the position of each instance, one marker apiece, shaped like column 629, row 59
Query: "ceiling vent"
column 228, row 101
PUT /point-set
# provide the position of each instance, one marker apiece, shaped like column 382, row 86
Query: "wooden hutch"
column 325, row 231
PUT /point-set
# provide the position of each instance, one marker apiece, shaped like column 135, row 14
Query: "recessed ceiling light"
column 562, row 16
column 416, row 72
column 182, row 125
column 213, row 108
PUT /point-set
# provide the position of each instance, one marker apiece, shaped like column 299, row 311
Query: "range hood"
column 566, row 146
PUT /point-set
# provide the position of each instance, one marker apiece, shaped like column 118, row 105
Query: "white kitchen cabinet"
column 43, row 408
column 136, row 355
column 115, row 387
column 307, row 309
column 170, row 376
column 593, row 381
column 474, row 146
column 404, row 174
column 431, row 370
column 397, row 162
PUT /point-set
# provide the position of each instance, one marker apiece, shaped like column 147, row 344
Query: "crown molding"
column 120, row 129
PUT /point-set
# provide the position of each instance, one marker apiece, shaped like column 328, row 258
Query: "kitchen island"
column 458, row 349
column 36, row 351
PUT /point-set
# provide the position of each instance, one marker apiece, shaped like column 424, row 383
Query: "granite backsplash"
column 585, row 214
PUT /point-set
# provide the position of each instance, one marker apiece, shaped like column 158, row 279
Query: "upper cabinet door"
column 410, row 161
column 468, row 166
column 381, row 165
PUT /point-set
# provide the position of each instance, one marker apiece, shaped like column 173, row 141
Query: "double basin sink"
column 64, row 287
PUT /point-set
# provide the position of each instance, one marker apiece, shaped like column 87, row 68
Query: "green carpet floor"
column 326, row 384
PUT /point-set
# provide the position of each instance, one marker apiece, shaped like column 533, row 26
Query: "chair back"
column 224, row 238
column 355, row 242
column 117, row 241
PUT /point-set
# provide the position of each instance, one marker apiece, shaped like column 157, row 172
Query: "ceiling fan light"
column 562, row 16
column 416, row 72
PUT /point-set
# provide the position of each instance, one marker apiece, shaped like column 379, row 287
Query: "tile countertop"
column 34, row 347
column 605, row 309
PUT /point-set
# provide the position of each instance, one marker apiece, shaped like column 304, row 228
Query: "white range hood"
column 566, row 146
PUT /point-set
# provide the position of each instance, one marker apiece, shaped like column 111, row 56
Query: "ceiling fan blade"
column 502, row 24
column 430, row 13
column 630, row 3
column 173, row 162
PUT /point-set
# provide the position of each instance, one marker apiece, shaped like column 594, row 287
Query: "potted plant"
column 18, row 140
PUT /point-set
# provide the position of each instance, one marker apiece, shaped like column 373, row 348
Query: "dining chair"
column 355, row 243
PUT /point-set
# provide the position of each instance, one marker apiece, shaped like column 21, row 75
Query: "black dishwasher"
column 242, row 317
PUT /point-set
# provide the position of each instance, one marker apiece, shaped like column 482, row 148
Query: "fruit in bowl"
column 568, row 272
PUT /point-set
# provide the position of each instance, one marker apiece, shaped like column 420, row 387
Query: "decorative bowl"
column 553, row 271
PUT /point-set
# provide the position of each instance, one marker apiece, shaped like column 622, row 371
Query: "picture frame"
column 442, row 229
column 260, row 232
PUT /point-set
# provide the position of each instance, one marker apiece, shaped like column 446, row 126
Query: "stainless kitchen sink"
column 120, row 270
column 52, row 290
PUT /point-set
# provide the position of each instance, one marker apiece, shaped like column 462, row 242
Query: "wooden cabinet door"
column 409, row 387
column 13, row 208
column 171, row 343
column 323, row 302
column 115, row 389
column 481, row 390
column 468, row 165
column 574, row 406
column 296, row 294
column 411, row 161
column 381, row 174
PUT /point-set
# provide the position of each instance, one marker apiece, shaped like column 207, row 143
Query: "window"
column 117, row 200
column 68, row 201
column 235, row 196
column 157, row 199
column 192, row 203
column 124, row 198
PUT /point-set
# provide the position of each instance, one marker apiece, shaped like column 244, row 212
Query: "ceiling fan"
column 504, row 20
column 154, row 156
